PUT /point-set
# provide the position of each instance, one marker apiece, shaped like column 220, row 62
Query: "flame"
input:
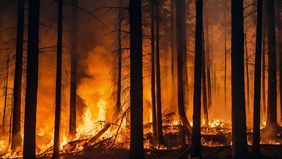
column 102, row 112
column 216, row 123
column 89, row 123
column 3, row 145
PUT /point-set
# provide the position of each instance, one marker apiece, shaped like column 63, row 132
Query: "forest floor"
column 269, row 151
column 212, row 147
column 222, row 152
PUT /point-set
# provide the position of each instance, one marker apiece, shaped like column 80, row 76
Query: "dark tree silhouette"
column 153, row 73
column 196, row 133
column 208, row 59
column 247, row 75
column 272, row 85
column 279, row 29
column 257, row 83
column 264, row 42
column 73, row 57
column 239, row 137
column 173, row 55
column 225, row 56
column 204, row 85
column 16, row 124
column 136, row 81
column 181, row 50
column 5, row 94
column 32, row 80
column 119, row 63
column 158, row 76
column 58, row 80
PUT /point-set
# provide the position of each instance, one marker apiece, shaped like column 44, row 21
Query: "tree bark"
column 257, row 83
column 204, row 84
column 153, row 73
column 32, row 80
column 239, row 137
column 136, row 81
column 264, row 42
column 58, row 80
column 173, row 55
column 225, row 56
column 158, row 77
column 196, row 133
column 181, row 49
column 5, row 94
column 208, row 59
column 73, row 86
column 279, row 26
column 119, row 53
column 247, row 75
column 272, row 87
column 16, row 124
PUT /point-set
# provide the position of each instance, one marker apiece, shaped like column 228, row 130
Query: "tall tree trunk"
column 272, row 92
column 173, row 55
column 16, row 125
column 5, row 94
column 247, row 75
column 196, row 133
column 153, row 73
column 118, row 100
column 257, row 83
column 185, row 77
column 204, row 85
column 73, row 57
column 32, row 80
column 208, row 58
column 239, row 137
column 136, row 81
column 279, row 26
column 264, row 63
column 58, row 80
column 225, row 55
column 181, row 49
column 158, row 75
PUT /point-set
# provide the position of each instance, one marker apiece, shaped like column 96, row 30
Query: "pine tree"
column 32, row 80
column 136, row 81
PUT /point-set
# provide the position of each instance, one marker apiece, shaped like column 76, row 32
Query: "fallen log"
column 97, row 136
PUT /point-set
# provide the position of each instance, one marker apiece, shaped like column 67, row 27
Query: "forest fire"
column 136, row 79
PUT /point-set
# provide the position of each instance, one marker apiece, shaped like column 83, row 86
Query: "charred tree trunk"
column 58, row 80
column 185, row 78
column 279, row 26
column 272, row 92
column 153, row 73
column 181, row 49
column 136, row 81
column 173, row 55
column 204, row 85
column 264, row 63
column 247, row 75
column 16, row 124
column 196, row 133
column 225, row 56
column 5, row 94
column 119, row 53
column 239, row 137
column 32, row 80
column 158, row 79
column 73, row 86
column 257, row 83
column 208, row 59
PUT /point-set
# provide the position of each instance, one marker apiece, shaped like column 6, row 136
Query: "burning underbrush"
column 100, row 134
